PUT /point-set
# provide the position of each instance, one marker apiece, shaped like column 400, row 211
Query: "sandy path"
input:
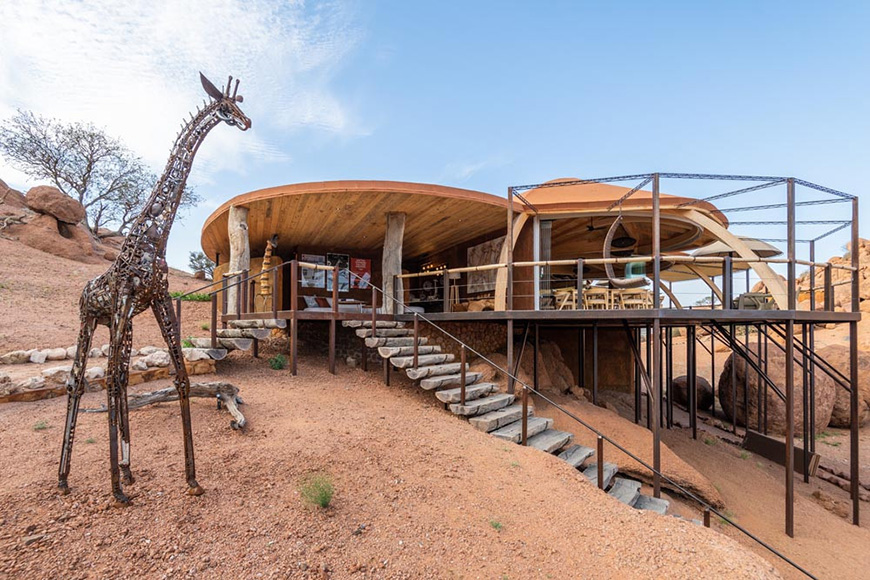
column 429, row 489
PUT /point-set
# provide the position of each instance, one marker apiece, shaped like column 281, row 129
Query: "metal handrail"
column 527, row 388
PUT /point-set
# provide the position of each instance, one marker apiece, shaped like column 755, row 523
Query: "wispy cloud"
column 132, row 67
column 465, row 170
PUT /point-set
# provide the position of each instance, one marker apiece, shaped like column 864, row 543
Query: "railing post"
column 727, row 283
column 416, row 340
column 374, row 311
column 239, row 299
column 706, row 517
column 446, row 283
column 214, row 320
column 579, row 300
column 275, row 294
column 600, row 457
column 829, row 288
column 462, row 375
column 510, row 356
column 854, row 399
column 224, row 300
column 525, row 411
column 294, row 322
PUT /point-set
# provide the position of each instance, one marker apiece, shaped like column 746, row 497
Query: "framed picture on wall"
column 343, row 263
column 313, row 278
column 362, row 270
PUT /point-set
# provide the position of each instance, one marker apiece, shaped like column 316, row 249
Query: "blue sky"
column 479, row 95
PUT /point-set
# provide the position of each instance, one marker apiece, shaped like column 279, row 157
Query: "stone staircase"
column 241, row 334
column 490, row 410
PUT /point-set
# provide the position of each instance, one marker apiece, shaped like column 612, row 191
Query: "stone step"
column 407, row 362
column 591, row 473
column 385, row 332
column 576, row 455
column 514, row 431
column 258, row 333
column 435, row 370
column 653, row 504
column 550, row 440
column 368, row 324
column 391, row 351
column 471, row 392
column 438, row 381
column 200, row 353
column 625, row 490
column 696, row 522
column 491, row 421
column 264, row 323
column 227, row 343
column 484, row 405
column 380, row 341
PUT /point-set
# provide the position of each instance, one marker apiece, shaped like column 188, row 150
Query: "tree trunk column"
column 240, row 252
column 391, row 264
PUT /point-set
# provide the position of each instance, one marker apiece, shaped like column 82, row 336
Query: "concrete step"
column 550, row 440
column 471, row 392
column 514, row 431
column 576, row 455
column 212, row 353
column 625, row 490
column 227, row 343
column 263, row 323
column 484, row 405
column 491, row 421
column 380, row 341
column 438, row 381
column 385, row 332
column 368, row 324
column 258, row 333
column 391, row 351
column 591, row 473
column 653, row 504
column 435, row 370
column 407, row 362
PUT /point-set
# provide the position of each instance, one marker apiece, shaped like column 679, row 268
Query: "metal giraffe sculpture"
column 136, row 281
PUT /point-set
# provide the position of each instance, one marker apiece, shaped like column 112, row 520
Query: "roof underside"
column 351, row 216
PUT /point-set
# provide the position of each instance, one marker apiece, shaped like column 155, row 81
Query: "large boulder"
column 838, row 356
column 11, row 197
column 50, row 200
column 703, row 389
column 776, row 417
column 55, row 237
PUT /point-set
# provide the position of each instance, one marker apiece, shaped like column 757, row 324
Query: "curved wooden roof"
column 349, row 216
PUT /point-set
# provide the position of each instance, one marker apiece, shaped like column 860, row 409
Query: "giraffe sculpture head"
column 227, row 103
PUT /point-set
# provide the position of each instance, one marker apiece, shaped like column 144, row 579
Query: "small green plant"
column 832, row 443
column 317, row 490
column 515, row 464
column 90, row 440
column 187, row 343
column 195, row 297
column 496, row 525
column 728, row 514
column 709, row 441
column 745, row 455
column 204, row 326
column 278, row 362
column 822, row 435
column 40, row 426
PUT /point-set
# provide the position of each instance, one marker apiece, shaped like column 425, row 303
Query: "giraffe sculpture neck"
column 158, row 213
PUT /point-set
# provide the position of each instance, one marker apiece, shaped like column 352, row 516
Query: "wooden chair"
column 638, row 299
column 566, row 298
column 595, row 298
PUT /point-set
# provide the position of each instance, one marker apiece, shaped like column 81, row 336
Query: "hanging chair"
column 608, row 267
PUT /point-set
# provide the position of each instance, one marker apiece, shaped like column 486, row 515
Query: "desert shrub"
column 278, row 362
column 195, row 297
column 40, row 426
column 187, row 343
column 317, row 490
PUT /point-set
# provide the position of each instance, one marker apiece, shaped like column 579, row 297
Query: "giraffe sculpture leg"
column 74, row 388
column 121, row 405
column 165, row 315
column 116, row 375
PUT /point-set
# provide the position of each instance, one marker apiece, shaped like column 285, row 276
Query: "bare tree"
column 84, row 163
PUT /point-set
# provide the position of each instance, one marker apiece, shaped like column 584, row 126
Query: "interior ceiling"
column 348, row 220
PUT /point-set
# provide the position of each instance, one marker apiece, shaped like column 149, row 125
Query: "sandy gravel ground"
column 419, row 494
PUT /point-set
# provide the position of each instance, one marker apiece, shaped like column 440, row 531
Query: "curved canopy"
column 350, row 216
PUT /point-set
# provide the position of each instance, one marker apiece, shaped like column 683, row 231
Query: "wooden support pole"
column 294, row 322
column 240, row 252
column 391, row 262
